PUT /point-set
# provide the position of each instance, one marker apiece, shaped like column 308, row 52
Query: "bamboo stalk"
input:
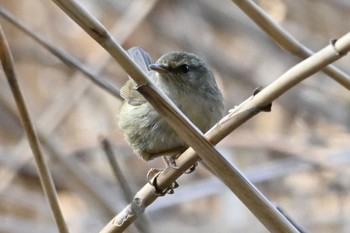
column 44, row 173
column 142, row 224
column 87, row 183
column 62, row 55
column 286, row 40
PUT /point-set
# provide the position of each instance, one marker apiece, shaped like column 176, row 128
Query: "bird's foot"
column 152, row 177
column 192, row 168
column 171, row 162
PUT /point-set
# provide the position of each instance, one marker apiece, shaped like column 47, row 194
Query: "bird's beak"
column 158, row 68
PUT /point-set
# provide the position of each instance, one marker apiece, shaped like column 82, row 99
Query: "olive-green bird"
column 186, row 79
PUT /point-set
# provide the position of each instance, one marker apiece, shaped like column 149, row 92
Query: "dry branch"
column 62, row 55
column 44, row 174
column 87, row 183
column 286, row 40
column 117, row 167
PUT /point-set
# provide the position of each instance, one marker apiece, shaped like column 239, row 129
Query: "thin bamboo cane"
column 62, row 55
column 44, row 173
column 286, row 40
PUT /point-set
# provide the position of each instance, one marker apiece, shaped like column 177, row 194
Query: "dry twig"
column 62, row 55
column 44, row 174
column 142, row 224
column 286, row 40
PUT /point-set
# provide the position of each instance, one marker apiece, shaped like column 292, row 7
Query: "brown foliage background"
column 298, row 154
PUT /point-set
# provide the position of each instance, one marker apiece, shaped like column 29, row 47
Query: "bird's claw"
column 172, row 164
column 192, row 168
column 152, row 177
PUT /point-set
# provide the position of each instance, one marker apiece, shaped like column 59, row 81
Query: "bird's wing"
column 128, row 92
column 141, row 57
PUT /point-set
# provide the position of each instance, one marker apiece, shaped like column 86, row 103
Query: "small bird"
column 187, row 81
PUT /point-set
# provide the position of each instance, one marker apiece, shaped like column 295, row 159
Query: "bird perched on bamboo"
column 186, row 79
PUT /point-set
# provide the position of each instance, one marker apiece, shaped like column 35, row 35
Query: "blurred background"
column 298, row 155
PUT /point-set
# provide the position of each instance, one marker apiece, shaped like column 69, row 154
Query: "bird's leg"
column 170, row 159
column 153, row 173
column 169, row 156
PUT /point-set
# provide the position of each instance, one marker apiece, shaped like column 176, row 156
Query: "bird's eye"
column 183, row 68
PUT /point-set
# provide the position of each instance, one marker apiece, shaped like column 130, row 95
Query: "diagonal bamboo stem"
column 286, row 40
column 142, row 224
column 62, row 55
